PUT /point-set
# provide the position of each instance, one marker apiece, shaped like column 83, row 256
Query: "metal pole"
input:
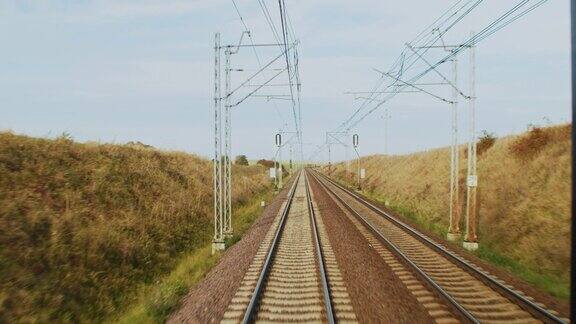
column 470, row 239
column 355, row 143
column 218, row 243
column 227, row 149
column 573, row 147
column 291, row 148
column 359, row 170
column 347, row 160
column 279, row 143
column 385, row 131
column 276, row 170
column 329, row 158
column 454, row 229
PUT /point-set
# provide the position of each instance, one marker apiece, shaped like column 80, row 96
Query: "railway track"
column 468, row 292
column 294, row 276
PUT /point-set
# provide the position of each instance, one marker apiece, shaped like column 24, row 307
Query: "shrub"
column 241, row 160
column 526, row 146
column 485, row 141
column 266, row 163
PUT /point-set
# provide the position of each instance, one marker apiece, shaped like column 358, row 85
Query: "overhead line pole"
column 405, row 64
column 223, row 137
column 227, row 148
column 282, row 132
column 329, row 143
column 227, row 184
column 278, row 139
column 355, row 144
column 454, row 204
column 386, row 117
column 285, row 36
column 454, row 209
column 493, row 27
column 218, row 241
column 222, row 168
column 471, row 239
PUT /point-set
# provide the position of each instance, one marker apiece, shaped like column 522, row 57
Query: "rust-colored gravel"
column 377, row 295
column 208, row 300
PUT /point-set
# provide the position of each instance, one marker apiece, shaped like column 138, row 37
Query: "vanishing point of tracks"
column 288, row 280
column 294, row 276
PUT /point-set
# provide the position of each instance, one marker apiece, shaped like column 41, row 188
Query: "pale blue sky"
column 119, row 71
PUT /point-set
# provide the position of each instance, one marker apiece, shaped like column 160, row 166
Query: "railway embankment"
column 524, row 213
column 86, row 230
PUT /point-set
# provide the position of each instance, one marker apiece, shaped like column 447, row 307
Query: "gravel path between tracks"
column 377, row 295
column 208, row 300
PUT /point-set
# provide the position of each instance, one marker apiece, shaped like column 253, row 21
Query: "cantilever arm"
column 260, row 70
column 413, row 86
column 437, row 72
column 258, row 88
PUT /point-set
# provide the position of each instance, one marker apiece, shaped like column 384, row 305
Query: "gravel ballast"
column 377, row 294
column 208, row 300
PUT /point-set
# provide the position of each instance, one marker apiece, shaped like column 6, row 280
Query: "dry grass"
column 157, row 300
column 83, row 225
column 524, row 198
column 529, row 144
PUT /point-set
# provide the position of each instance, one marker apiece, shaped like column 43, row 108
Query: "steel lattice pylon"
column 454, row 216
column 218, row 243
column 470, row 239
column 227, row 214
column 222, row 171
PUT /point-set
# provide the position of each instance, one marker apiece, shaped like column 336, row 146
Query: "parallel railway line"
column 473, row 294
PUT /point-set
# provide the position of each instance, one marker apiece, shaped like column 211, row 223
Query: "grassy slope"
column 83, row 227
column 524, row 198
column 156, row 301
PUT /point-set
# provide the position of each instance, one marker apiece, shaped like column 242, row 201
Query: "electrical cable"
column 282, row 120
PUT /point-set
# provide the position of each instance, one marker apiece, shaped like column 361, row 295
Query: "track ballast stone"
column 292, row 292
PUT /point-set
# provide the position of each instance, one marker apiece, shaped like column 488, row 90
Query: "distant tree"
column 485, row 141
column 266, row 163
column 241, row 160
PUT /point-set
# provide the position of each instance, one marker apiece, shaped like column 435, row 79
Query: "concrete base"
column 470, row 246
column 218, row 246
column 453, row 237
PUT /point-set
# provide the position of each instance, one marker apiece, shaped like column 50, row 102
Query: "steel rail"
column 320, row 256
column 524, row 303
column 253, row 305
column 423, row 276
